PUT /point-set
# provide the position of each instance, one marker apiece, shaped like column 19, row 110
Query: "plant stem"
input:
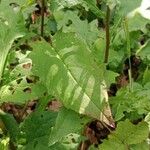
column 42, row 17
column 107, row 35
column 128, row 52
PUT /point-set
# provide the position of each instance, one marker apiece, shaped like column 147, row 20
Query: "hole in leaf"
column 45, row 93
column 29, row 80
column 25, row 47
column 27, row 90
column 82, row 123
column 13, row 5
column 48, row 39
column 81, row 117
column 11, row 88
column 19, row 80
column 32, row 104
column 19, row 74
column 69, row 23
column 32, row 79
column 73, row 140
column 26, row 66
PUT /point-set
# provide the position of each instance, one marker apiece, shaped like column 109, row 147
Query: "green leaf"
column 140, row 146
column 19, row 91
column 11, row 125
column 69, row 21
column 92, row 147
column 110, row 77
column 58, row 146
column 146, row 76
column 70, row 73
column 99, row 48
column 11, row 28
column 126, row 134
column 37, row 128
column 67, row 122
column 131, row 102
column 137, row 22
column 93, row 7
column 115, row 56
column 99, row 51
column 144, row 53
column 14, row 3
column 126, row 6
column 70, row 142
column 67, row 3
column 112, row 144
column 131, row 134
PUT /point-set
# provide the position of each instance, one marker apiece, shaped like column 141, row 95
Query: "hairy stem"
column 107, row 35
column 42, row 17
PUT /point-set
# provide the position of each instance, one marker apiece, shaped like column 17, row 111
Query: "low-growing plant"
column 88, row 60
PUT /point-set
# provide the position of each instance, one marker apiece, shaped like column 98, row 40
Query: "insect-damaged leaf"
column 11, row 28
column 70, row 73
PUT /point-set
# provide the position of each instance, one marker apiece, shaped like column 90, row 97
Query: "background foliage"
column 66, row 65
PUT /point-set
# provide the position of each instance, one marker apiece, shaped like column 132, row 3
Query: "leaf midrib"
column 73, row 77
